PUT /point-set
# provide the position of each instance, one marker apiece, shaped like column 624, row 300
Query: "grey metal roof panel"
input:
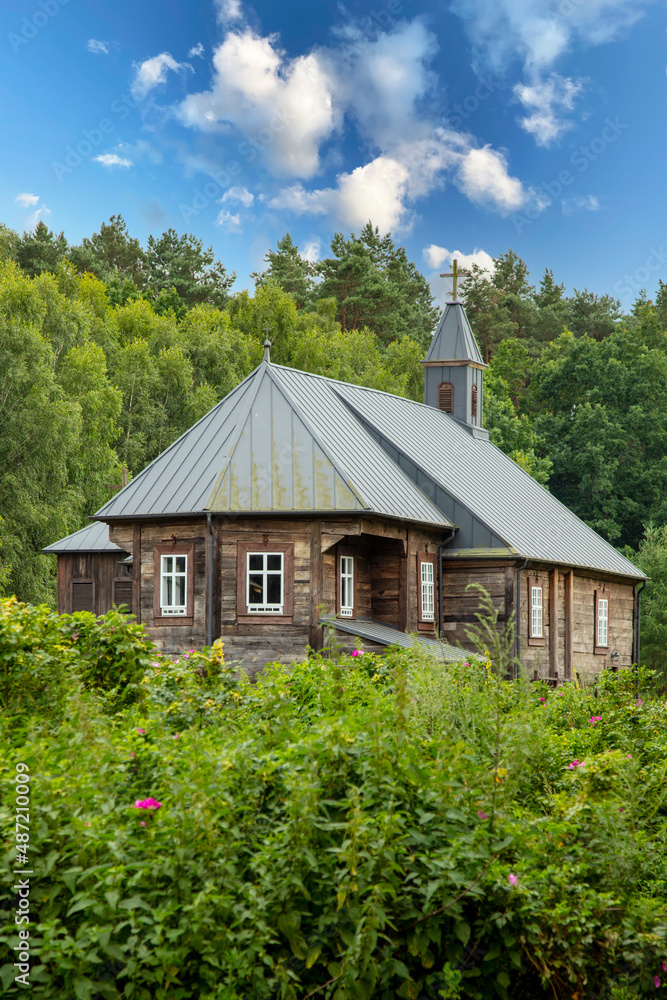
column 528, row 518
column 453, row 339
column 277, row 443
column 385, row 487
column 93, row 538
column 387, row 635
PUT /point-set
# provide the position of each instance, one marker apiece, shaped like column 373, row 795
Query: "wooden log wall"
column 99, row 568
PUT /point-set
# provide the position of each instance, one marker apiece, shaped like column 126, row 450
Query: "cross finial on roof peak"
column 455, row 273
column 267, row 345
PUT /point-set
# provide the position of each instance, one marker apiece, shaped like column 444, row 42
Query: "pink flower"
column 191, row 651
column 640, row 701
column 186, row 656
column 176, row 736
column 595, row 719
column 143, row 823
column 482, row 815
column 147, row 804
column 628, row 756
column 75, row 636
column 621, row 809
column 560, row 693
column 132, row 753
column 542, row 700
column 656, row 980
column 86, row 824
column 357, row 652
column 664, row 967
column 512, row 879
column 154, row 663
column 575, row 763
column 142, row 732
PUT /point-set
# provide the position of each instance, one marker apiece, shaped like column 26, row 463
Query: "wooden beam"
column 569, row 624
column 553, row 623
column 136, row 573
column 328, row 541
column 316, row 589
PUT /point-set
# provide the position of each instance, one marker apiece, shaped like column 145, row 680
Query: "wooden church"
column 300, row 501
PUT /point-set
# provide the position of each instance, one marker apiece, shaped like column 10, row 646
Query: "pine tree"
column 290, row 271
column 40, row 250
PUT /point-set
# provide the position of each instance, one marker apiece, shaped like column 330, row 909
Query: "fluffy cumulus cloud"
column 436, row 257
column 97, row 47
column 238, row 194
column 196, row 50
column 229, row 222
column 26, row 200
column 545, row 102
column 284, row 106
column 483, row 177
column 152, row 72
column 112, row 160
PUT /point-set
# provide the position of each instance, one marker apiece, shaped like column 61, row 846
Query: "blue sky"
column 469, row 127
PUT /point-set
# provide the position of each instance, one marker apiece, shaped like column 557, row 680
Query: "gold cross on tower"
column 455, row 274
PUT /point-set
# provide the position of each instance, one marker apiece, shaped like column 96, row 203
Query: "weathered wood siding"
column 101, row 568
column 578, row 627
column 253, row 645
column 460, row 605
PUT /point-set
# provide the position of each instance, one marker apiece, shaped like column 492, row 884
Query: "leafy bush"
column 371, row 827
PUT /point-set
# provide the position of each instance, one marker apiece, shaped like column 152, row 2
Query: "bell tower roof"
column 453, row 339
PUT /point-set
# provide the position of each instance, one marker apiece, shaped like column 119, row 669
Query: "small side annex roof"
column 93, row 538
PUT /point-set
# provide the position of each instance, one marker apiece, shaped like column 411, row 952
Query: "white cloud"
column 196, row 50
column 229, row 222
column 311, row 251
column 33, row 218
column 540, row 31
column 385, row 189
column 153, row 72
column 436, row 256
column 287, row 106
column 239, row 194
column 484, row 179
column 112, row 160
column 585, row 203
column 545, row 101
column 228, row 11
column 97, row 47
column 26, row 200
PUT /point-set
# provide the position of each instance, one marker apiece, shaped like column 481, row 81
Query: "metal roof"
column 387, row 635
column 93, row 538
column 453, row 339
column 275, row 445
column 289, row 441
column 520, row 512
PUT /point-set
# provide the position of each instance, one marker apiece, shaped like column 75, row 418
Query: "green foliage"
column 652, row 559
column 181, row 263
column 40, row 250
column 288, row 269
column 370, row 827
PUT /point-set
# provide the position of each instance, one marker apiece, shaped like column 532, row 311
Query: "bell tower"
column 453, row 367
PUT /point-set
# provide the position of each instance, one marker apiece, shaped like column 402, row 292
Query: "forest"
column 110, row 350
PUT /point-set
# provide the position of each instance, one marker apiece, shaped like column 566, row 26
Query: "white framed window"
column 603, row 622
column 173, row 584
column 265, row 582
column 536, row 612
column 427, row 592
column 347, row 586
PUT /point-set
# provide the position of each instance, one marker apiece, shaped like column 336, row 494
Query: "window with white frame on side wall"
column 601, row 638
column 173, row 601
column 346, row 587
column 426, row 600
column 536, row 629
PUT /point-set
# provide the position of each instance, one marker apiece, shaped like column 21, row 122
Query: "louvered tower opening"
column 473, row 402
column 446, row 397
